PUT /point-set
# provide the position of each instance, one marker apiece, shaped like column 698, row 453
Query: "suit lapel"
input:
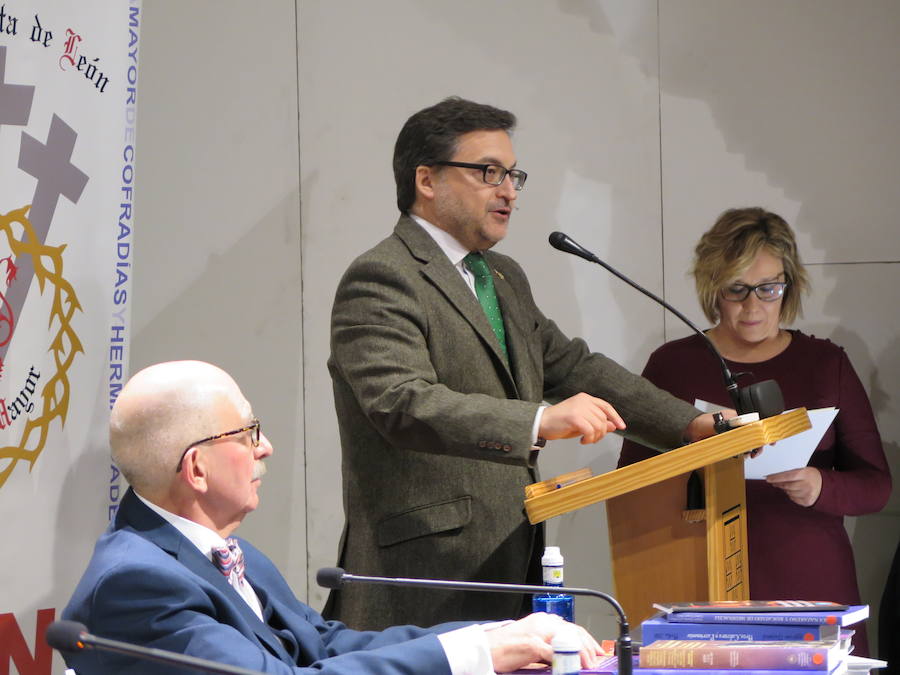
column 274, row 616
column 135, row 514
column 520, row 356
column 436, row 267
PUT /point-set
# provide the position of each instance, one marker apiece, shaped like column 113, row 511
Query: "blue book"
column 658, row 628
column 720, row 606
column 846, row 617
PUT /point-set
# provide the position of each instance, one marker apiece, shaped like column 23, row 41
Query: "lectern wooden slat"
column 656, row 554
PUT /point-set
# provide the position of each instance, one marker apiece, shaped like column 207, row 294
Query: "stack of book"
column 743, row 638
column 771, row 638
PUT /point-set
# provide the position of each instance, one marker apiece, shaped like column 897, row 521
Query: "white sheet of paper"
column 789, row 453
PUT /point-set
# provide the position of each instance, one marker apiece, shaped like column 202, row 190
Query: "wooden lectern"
column 657, row 555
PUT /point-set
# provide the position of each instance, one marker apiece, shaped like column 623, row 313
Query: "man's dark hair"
column 431, row 134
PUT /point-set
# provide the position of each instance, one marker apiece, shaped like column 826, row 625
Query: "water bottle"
column 566, row 656
column 562, row 604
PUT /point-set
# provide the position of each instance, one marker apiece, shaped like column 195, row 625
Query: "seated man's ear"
column 194, row 471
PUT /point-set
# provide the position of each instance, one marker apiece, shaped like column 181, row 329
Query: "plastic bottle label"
column 553, row 576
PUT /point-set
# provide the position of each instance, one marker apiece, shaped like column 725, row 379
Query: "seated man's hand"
column 528, row 640
column 580, row 415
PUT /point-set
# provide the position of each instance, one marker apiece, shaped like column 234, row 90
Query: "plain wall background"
column 265, row 136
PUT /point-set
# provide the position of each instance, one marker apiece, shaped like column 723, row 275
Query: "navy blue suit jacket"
column 147, row 584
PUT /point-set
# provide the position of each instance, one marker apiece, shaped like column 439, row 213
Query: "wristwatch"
column 720, row 424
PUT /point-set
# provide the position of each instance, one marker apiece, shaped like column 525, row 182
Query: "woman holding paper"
column 749, row 281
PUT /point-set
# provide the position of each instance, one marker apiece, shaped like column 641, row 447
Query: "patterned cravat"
column 487, row 296
column 230, row 561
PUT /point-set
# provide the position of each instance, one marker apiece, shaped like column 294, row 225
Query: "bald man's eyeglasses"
column 253, row 428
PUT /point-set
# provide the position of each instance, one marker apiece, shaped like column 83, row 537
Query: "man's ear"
column 425, row 182
column 194, row 472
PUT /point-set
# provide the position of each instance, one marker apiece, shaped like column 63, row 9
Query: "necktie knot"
column 230, row 560
column 477, row 265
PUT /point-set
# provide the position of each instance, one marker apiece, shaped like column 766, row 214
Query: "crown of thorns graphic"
column 31, row 258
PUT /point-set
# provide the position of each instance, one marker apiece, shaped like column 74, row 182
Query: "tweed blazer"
column 436, row 426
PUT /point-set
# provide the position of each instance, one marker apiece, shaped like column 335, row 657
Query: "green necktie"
column 487, row 296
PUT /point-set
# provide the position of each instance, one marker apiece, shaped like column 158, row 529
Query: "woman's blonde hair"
column 728, row 249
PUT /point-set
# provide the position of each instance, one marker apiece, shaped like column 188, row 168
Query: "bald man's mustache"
column 259, row 469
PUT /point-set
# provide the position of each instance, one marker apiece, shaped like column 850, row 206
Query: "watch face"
column 719, row 423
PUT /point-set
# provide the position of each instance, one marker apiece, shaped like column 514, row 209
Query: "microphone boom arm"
column 487, row 587
column 563, row 242
column 71, row 636
column 335, row 577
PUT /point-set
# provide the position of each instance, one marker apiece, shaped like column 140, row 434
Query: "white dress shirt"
column 455, row 251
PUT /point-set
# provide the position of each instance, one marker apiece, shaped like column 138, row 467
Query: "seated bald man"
column 168, row 574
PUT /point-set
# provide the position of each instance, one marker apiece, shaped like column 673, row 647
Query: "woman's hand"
column 802, row 486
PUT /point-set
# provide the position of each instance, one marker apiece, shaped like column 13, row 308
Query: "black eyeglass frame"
column 517, row 176
column 755, row 290
column 254, row 425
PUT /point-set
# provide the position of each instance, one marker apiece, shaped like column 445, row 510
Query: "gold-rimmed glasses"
column 253, row 428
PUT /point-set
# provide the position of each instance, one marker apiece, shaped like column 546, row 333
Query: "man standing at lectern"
column 440, row 360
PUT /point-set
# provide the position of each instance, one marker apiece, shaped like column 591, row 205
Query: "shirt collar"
column 200, row 536
column 446, row 241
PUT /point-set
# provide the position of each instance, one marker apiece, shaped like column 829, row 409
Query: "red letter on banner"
column 13, row 647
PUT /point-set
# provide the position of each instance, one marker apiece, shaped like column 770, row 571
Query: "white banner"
column 68, row 96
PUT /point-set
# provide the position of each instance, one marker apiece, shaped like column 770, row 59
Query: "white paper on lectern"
column 789, row 453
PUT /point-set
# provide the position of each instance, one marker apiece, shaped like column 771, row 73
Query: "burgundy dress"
column 795, row 552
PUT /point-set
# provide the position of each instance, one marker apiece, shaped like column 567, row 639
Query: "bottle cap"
column 552, row 556
column 566, row 647
column 566, row 640
column 741, row 420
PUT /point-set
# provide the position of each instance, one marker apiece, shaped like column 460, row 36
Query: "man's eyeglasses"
column 253, row 428
column 767, row 292
column 493, row 174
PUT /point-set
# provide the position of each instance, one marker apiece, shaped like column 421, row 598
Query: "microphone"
column 335, row 577
column 72, row 637
column 763, row 397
